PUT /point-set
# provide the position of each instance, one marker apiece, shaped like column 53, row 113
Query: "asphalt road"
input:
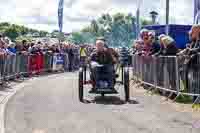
column 50, row 105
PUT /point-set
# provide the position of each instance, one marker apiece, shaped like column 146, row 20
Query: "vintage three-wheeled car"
column 103, row 79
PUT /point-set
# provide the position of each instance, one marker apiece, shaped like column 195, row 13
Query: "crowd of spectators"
column 151, row 45
column 8, row 48
column 73, row 51
column 163, row 45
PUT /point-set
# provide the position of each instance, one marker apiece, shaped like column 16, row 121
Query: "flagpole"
column 60, row 19
column 196, row 11
column 138, row 19
column 167, row 17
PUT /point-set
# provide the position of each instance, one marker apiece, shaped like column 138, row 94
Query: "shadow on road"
column 110, row 100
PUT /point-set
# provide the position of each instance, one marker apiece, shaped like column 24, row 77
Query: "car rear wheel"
column 126, row 84
column 81, row 85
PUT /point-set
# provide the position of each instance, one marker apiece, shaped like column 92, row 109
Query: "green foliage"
column 118, row 29
column 14, row 31
column 43, row 33
column 81, row 37
column 184, row 99
column 146, row 22
column 20, row 38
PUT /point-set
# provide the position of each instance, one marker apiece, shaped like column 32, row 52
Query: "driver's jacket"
column 104, row 58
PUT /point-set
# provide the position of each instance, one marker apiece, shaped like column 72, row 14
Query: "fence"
column 25, row 64
column 168, row 73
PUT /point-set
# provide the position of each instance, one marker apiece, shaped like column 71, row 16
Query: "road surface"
column 50, row 105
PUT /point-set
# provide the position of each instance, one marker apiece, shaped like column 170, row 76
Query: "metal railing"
column 167, row 73
column 25, row 65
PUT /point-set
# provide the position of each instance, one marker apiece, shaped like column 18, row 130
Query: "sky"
column 42, row 14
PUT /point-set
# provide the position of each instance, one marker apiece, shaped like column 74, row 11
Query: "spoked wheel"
column 126, row 84
column 81, row 84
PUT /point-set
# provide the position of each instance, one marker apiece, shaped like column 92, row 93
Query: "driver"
column 102, row 57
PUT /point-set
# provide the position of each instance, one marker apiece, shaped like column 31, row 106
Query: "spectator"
column 169, row 44
column 2, row 55
column 189, row 56
column 153, row 42
column 83, row 55
column 144, row 34
column 54, row 49
column 2, row 50
column 160, row 52
column 194, row 46
column 11, row 48
column 71, row 57
column 24, row 46
column 168, row 48
column 138, row 46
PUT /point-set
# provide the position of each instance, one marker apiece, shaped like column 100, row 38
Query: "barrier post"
column 177, row 80
column 155, row 73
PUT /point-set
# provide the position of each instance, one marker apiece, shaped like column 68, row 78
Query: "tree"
column 43, row 33
column 118, row 29
column 14, row 31
column 77, row 38
column 87, row 29
column 94, row 27
column 4, row 24
column 146, row 22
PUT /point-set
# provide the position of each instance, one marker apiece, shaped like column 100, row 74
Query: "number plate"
column 103, row 90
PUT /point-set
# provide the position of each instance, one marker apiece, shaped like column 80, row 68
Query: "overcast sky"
column 42, row 14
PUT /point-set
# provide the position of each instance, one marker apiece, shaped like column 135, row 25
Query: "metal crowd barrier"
column 24, row 64
column 167, row 73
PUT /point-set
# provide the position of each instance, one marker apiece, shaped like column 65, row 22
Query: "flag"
column 138, row 18
column 196, row 10
column 60, row 15
column 137, row 23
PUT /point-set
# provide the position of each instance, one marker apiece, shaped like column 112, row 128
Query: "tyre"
column 126, row 84
column 80, row 83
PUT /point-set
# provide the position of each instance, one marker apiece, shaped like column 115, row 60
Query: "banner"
column 139, row 2
column 60, row 15
column 196, row 10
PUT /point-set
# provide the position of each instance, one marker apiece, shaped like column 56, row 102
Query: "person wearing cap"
column 11, row 48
